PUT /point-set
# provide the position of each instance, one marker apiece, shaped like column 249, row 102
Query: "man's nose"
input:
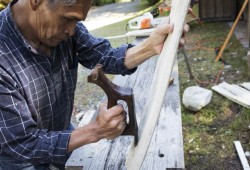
column 70, row 29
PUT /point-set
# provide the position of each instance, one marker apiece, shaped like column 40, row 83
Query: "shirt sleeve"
column 19, row 135
column 92, row 50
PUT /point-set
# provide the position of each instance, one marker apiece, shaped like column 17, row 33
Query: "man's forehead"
column 79, row 10
column 69, row 2
column 85, row 1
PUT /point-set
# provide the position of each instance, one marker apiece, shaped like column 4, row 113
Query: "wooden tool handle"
column 114, row 94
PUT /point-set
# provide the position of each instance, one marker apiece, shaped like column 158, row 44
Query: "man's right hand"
column 109, row 124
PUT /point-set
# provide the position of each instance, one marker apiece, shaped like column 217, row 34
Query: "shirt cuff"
column 122, row 52
column 60, row 152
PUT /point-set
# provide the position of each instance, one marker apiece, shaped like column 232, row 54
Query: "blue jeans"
column 10, row 163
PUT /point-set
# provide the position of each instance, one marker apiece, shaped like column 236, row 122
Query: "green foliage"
column 144, row 2
column 103, row 2
column 3, row 4
column 151, row 2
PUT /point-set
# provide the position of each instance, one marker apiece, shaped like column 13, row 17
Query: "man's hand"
column 159, row 35
column 151, row 46
column 110, row 123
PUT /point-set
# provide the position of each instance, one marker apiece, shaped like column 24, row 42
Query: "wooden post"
column 248, row 32
column 231, row 31
column 248, row 25
column 160, row 84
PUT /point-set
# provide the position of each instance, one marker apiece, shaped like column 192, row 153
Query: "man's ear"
column 34, row 4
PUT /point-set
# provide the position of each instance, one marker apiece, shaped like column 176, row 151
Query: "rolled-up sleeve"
column 92, row 50
column 19, row 135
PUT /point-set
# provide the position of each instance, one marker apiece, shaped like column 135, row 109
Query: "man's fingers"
column 186, row 28
column 121, row 126
column 116, row 120
column 190, row 10
column 111, row 122
column 113, row 111
column 166, row 28
column 182, row 42
column 112, row 116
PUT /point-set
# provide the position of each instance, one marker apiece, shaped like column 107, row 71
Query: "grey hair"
column 53, row 3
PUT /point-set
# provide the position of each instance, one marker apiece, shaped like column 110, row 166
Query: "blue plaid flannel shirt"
column 37, row 92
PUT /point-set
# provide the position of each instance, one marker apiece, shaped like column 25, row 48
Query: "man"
column 41, row 44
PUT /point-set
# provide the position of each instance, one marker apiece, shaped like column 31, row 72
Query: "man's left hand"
column 159, row 35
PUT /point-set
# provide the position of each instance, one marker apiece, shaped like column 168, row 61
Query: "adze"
column 114, row 94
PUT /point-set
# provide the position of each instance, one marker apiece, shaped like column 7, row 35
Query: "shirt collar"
column 13, row 28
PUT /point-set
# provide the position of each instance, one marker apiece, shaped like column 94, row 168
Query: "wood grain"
column 234, row 93
column 159, row 86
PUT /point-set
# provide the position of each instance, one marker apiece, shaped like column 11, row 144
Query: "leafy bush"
column 3, row 4
column 151, row 2
column 103, row 2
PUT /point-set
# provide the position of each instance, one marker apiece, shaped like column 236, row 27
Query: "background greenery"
column 3, row 3
column 103, row 2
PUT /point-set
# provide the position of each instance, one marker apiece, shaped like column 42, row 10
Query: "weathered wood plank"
column 118, row 151
column 234, row 93
column 237, row 90
column 246, row 85
column 166, row 147
column 242, row 156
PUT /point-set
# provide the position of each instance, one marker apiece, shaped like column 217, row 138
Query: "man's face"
column 57, row 24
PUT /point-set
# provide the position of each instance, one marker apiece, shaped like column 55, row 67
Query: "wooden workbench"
column 166, row 148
